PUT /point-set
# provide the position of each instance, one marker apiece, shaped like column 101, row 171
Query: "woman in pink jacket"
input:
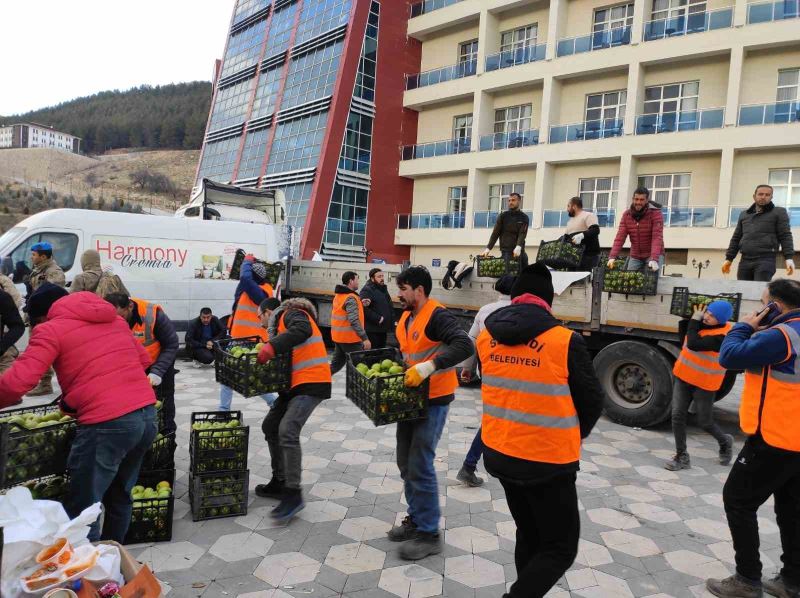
column 100, row 368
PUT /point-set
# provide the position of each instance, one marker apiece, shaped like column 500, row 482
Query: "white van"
column 180, row 263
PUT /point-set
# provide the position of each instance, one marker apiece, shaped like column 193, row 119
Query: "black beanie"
column 504, row 284
column 536, row 280
column 42, row 299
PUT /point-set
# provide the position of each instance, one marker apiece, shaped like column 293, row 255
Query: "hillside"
column 161, row 117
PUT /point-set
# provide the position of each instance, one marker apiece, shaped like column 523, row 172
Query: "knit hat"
column 504, row 284
column 43, row 298
column 259, row 272
column 536, row 280
column 721, row 310
column 42, row 246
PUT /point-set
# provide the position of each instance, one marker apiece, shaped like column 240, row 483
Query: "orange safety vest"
column 528, row 411
column 145, row 331
column 771, row 398
column 416, row 348
column 309, row 358
column 245, row 320
column 341, row 330
column 701, row 368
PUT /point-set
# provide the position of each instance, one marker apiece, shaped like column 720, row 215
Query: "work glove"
column 610, row 263
column 266, row 353
column 653, row 265
column 485, row 252
column 789, row 267
column 417, row 374
column 726, row 267
column 155, row 379
column 576, row 239
column 517, row 251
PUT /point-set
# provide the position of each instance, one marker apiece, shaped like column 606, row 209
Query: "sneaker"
column 734, row 586
column 780, row 587
column 275, row 489
column 421, row 545
column 404, row 531
column 291, row 504
column 468, row 477
column 726, row 450
column 41, row 390
column 678, row 462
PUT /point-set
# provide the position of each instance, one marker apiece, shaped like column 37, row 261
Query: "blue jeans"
column 634, row 264
column 416, row 449
column 226, row 398
column 104, row 465
column 475, row 452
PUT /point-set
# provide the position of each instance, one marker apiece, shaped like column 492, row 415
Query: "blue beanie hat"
column 721, row 310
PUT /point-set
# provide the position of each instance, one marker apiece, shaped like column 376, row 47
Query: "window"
column 468, row 52
column 280, row 30
column 230, row 106
column 608, row 105
column 675, row 97
column 321, row 16
column 244, row 48
column 357, row 147
column 245, row 8
column 297, row 198
column 788, row 85
column 312, row 76
column 457, row 200
column 520, row 38
column 786, row 182
column 498, row 195
column 365, row 77
column 670, row 190
column 613, row 17
column 598, row 194
column 64, row 247
column 266, row 92
column 297, row 143
column 673, row 9
column 347, row 216
column 513, row 119
column 462, row 127
column 255, row 147
column 219, row 158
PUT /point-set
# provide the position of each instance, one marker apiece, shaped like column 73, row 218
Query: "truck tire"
column 637, row 379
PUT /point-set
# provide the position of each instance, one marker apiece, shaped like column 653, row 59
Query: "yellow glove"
column 726, row 267
column 417, row 374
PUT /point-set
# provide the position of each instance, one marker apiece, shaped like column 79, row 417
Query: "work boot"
column 467, row 476
column 41, row 390
column 421, row 545
column 726, row 450
column 404, row 531
column 780, row 587
column 275, row 489
column 291, row 504
column 678, row 462
column 734, row 586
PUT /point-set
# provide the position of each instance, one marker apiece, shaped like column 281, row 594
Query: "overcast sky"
column 55, row 50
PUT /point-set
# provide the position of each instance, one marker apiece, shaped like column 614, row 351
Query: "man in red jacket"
column 100, row 367
column 644, row 224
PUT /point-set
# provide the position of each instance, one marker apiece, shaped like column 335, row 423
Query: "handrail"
column 440, row 75
column 687, row 24
column 446, row 147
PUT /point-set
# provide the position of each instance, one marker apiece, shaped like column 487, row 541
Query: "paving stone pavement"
column 645, row 531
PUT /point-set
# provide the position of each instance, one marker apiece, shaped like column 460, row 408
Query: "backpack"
column 110, row 283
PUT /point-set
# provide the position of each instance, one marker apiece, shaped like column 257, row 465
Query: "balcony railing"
column 559, row 218
column 590, row 129
column 440, row 220
column 694, row 216
column 599, row 40
column 504, row 60
column 670, row 122
column 421, row 8
column 764, row 12
column 447, row 73
column 446, row 147
column 488, row 219
column 794, row 215
column 688, row 24
column 769, row 114
column 497, row 141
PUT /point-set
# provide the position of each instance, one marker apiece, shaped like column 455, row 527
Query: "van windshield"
column 11, row 234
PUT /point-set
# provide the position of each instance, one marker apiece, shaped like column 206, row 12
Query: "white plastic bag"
column 107, row 568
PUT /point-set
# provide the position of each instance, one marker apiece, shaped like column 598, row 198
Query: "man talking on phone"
column 766, row 345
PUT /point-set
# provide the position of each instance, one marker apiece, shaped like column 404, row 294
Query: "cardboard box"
column 139, row 580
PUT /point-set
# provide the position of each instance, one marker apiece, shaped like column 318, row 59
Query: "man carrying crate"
column 432, row 343
column 510, row 229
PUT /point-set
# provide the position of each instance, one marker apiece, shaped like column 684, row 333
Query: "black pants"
column 756, row 268
column 377, row 339
column 682, row 394
column 589, row 262
column 203, row 355
column 759, row 472
column 165, row 392
column 339, row 359
column 508, row 256
column 548, row 529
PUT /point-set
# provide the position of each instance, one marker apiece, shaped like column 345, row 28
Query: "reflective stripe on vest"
column 341, row 329
column 145, row 331
column 701, row 368
column 309, row 358
column 771, row 398
column 417, row 347
column 528, row 412
column 245, row 320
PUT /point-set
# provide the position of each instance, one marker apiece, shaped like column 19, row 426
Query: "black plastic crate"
column 219, row 494
column 161, row 454
column 273, row 269
column 244, row 374
column 219, row 449
column 151, row 519
column 27, row 454
column 496, row 267
column 52, row 487
column 384, row 399
column 683, row 302
column 629, row 282
column 560, row 254
column 159, row 407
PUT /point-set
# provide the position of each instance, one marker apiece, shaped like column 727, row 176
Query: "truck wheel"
column 637, row 379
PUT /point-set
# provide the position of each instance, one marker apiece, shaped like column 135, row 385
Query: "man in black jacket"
column 11, row 330
column 378, row 309
column 760, row 230
column 511, row 229
column 200, row 337
column 583, row 229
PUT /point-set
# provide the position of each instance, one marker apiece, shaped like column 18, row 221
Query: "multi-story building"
column 21, row 135
column 698, row 100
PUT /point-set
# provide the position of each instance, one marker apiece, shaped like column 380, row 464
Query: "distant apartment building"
column 29, row 135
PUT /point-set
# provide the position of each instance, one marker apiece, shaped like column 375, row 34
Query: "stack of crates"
column 219, row 480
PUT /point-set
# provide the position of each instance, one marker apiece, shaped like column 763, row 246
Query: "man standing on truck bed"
column 644, row 224
column 378, row 309
column 760, row 230
column 347, row 321
column 511, row 229
column 583, row 229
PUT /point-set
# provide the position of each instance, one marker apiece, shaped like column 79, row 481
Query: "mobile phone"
column 769, row 313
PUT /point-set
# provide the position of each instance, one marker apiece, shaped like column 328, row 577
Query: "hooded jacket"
column 646, row 234
column 100, row 366
column 90, row 277
column 518, row 324
column 380, row 307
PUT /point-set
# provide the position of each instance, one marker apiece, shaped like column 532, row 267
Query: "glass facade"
column 365, row 78
column 245, row 8
column 230, row 106
column 255, row 144
column 321, row 16
column 219, row 158
column 244, row 48
column 297, row 198
column 312, row 76
column 357, row 146
column 347, row 216
column 280, row 30
column 297, row 143
column 269, row 82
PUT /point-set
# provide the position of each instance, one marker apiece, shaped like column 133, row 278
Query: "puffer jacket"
column 90, row 277
column 646, row 234
column 759, row 234
column 100, row 366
